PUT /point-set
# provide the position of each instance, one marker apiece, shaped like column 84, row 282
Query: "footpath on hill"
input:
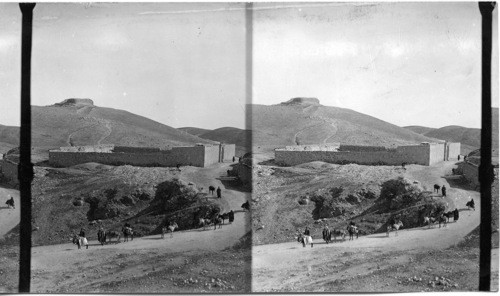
column 60, row 267
column 352, row 265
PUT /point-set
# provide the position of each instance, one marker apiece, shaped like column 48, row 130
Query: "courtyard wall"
column 423, row 154
column 199, row 155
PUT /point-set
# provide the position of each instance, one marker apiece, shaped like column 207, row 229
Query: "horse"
column 116, row 234
column 211, row 189
column 127, row 231
column 305, row 239
column 171, row 228
column 449, row 215
column 204, row 222
column 436, row 188
column 76, row 240
column 338, row 232
column 82, row 241
column 217, row 220
column 429, row 221
column 395, row 227
column 353, row 230
column 246, row 206
column 101, row 236
column 327, row 235
column 470, row 204
column 442, row 219
column 10, row 203
column 224, row 217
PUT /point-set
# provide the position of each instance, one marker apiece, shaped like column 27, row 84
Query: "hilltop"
column 75, row 122
column 302, row 121
column 242, row 138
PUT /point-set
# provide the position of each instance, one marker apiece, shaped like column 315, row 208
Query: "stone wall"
column 229, row 152
column 9, row 171
column 324, row 147
column 97, row 148
column 354, row 148
column 436, row 153
column 453, row 150
column 200, row 155
column 135, row 149
column 424, row 154
column 211, row 155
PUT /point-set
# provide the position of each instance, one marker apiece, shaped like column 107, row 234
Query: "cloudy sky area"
column 404, row 63
column 182, row 64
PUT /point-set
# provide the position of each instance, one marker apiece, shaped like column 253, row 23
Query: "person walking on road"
column 219, row 192
column 443, row 191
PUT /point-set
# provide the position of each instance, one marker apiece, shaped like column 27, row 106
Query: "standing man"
column 443, row 191
column 219, row 192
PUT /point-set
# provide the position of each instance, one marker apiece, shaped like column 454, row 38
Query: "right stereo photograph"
column 366, row 122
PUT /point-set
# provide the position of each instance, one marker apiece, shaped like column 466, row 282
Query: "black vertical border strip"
column 248, row 108
column 486, row 173
column 25, row 168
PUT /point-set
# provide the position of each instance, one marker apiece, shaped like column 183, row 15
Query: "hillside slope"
column 76, row 123
column 419, row 129
column 305, row 122
column 195, row 131
column 9, row 137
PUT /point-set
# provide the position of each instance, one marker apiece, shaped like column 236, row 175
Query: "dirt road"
column 9, row 218
column 291, row 267
column 61, row 267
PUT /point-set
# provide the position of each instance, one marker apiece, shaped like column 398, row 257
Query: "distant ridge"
column 470, row 138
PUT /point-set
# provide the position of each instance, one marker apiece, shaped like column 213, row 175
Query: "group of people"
column 211, row 190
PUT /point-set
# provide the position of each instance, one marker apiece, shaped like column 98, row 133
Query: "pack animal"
column 211, row 189
column 353, row 230
column 246, row 206
column 204, row 223
column 394, row 227
column 436, row 188
column 470, row 205
column 339, row 233
column 305, row 240
column 171, row 228
column 217, row 221
column 101, row 236
column 429, row 221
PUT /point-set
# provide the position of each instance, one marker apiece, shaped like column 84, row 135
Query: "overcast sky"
column 179, row 64
column 183, row 64
column 404, row 63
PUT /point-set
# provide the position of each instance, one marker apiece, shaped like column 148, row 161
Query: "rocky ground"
column 418, row 259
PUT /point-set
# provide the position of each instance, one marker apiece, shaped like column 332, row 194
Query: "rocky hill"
column 302, row 121
column 76, row 122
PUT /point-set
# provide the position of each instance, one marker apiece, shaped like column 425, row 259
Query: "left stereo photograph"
column 140, row 146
